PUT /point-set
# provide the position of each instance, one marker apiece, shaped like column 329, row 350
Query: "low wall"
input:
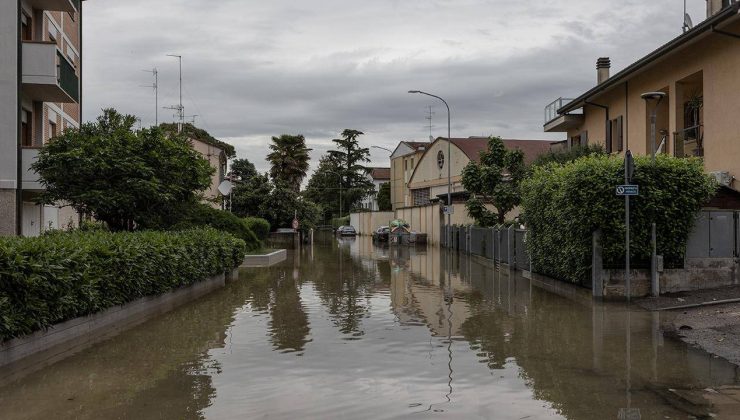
column 697, row 274
column 366, row 223
column 21, row 356
column 284, row 240
column 265, row 260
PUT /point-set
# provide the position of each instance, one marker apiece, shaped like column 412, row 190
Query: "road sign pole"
column 627, row 181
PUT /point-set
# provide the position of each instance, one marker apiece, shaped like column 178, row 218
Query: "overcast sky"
column 253, row 69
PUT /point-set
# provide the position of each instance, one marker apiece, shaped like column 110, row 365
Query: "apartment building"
column 40, row 92
column 698, row 74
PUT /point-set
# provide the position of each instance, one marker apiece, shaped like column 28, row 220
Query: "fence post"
column 597, row 266
column 512, row 246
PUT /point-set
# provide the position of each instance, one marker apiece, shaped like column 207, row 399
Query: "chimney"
column 603, row 65
column 715, row 6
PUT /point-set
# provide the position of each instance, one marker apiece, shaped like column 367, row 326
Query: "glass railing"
column 76, row 4
column 689, row 142
column 551, row 110
column 68, row 80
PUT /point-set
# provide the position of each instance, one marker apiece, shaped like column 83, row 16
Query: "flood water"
column 350, row 330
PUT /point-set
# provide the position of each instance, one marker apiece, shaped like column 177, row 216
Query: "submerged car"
column 346, row 231
column 382, row 234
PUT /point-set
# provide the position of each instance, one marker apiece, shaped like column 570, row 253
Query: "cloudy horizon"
column 253, row 70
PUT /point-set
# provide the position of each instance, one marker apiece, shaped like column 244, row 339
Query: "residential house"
column 40, row 96
column 426, row 184
column 215, row 151
column 698, row 73
column 403, row 161
column 378, row 176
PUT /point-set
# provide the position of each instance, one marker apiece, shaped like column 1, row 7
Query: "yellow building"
column 425, row 181
column 403, row 162
column 698, row 73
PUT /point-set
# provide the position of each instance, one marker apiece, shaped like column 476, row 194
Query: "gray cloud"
column 257, row 69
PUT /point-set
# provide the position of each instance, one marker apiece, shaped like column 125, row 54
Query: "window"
column 26, row 128
column 26, row 27
column 420, row 197
column 441, row 159
column 616, row 143
column 52, row 130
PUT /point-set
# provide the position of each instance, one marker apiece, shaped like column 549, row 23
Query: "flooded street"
column 351, row 330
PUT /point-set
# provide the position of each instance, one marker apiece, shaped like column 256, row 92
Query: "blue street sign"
column 628, row 190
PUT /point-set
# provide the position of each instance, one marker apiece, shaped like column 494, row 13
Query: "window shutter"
column 608, row 140
column 584, row 138
column 620, row 133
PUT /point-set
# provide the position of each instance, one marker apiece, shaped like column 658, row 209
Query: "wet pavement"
column 350, row 330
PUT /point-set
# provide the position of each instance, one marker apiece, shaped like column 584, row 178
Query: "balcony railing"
column 68, row 80
column 551, row 110
column 689, row 142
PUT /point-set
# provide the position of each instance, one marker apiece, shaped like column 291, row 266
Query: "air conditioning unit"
column 723, row 178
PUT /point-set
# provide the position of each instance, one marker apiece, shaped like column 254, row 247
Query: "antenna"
column 180, row 109
column 155, row 86
column 192, row 117
column 429, row 117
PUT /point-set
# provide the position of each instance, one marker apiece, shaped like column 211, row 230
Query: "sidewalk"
column 701, row 319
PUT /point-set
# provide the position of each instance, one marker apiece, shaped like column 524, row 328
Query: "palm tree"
column 289, row 159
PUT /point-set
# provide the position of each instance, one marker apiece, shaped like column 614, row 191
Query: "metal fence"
column 478, row 243
column 522, row 256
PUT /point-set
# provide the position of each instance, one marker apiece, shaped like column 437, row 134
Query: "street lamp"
column 449, row 161
column 382, row 148
column 658, row 98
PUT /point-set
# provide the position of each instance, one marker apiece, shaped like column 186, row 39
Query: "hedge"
column 260, row 227
column 61, row 276
column 200, row 215
column 565, row 204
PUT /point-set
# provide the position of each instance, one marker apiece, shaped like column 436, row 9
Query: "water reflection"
column 354, row 330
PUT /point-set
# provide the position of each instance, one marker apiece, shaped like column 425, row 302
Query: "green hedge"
column 565, row 204
column 260, row 227
column 200, row 215
column 60, row 276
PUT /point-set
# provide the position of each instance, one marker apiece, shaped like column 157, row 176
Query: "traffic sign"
column 628, row 190
column 449, row 209
column 296, row 225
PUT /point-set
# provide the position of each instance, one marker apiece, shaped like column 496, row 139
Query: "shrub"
column 260, row 227
column 565, row 204
column 60, row 276
column 340, row 221
column 569, row 155
column 199, row 215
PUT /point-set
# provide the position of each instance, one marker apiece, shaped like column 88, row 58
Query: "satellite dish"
column 225, row 187
column 687, row 22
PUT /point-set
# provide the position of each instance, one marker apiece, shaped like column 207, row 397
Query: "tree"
column 495, row 180
column 243, row 170
column 323, row 187
column 348, row 159
column 248, row 195
column 289, row 159
column 124, row 178
column 384, row 197
column 283, row 204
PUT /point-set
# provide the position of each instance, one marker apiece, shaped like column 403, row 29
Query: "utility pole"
column 180, row 109
column 155, row 86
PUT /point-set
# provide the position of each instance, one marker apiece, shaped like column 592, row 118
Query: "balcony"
column 69, row 6
column 689, row 142
column 47, row 75
column 558, row 123
column 30, row 178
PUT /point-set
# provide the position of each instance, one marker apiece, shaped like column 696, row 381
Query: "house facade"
column 698, row 74
column 403, row 161
column 40, row 96
column 378, row 176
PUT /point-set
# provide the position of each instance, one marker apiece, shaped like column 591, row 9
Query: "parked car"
column 381, row 234
column 346, row 231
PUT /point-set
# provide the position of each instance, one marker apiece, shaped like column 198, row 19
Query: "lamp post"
column 449, row 161
column 657, row 97
column 382, row 148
